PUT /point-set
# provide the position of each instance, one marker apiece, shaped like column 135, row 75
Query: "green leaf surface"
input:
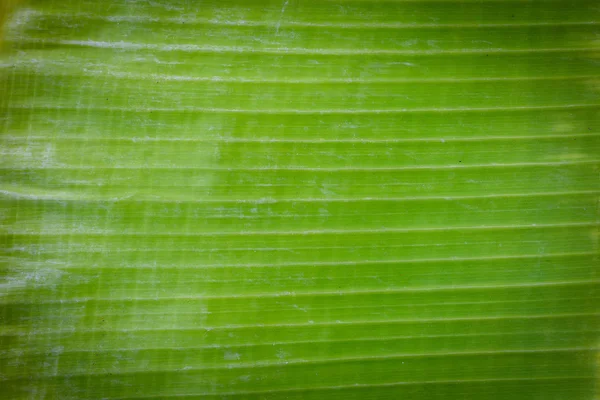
column 338, row 199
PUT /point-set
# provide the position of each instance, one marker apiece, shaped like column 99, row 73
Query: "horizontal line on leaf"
column 77, row 232
column 357, row 263
column 300, row 24
column 289, row 308
column 64, row 248
column 219, row 140
column 362, row 262
column 313, row 232
column 310, row 81
column 40, row 332
column 441, row 288
column 122, row 45
column 230, row 346
column 158, row 186
column 131, row 198
column 336, row 360
column 341, row 169
column 362, row 309
column 184, row 109
column 359, row 386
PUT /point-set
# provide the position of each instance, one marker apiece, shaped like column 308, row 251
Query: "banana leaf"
column 337, row 199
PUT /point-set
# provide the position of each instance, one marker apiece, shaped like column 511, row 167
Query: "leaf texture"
column 340, row 199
